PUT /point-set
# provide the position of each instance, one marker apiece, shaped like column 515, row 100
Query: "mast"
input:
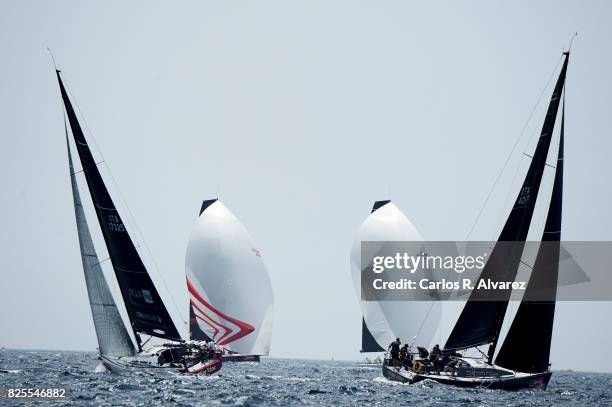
column 113, row 338
column 481, row 319
column 527, row 345
column 143, row 303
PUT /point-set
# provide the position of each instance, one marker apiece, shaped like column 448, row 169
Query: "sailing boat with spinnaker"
column 231, row 299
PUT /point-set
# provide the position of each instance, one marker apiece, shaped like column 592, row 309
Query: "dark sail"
column 195, row 332
column 379, row 204
column 368, row 343
column 145, row 308
column 481, row 320
column 527, row 345
column 206, row 204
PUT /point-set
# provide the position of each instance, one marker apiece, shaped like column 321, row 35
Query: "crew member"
column 435, row 357
column 407, row 361
column 395, row 350
column 403, row 352
column 214, row 350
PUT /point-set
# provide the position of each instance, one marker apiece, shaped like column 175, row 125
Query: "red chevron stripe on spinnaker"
column 244, row 328
column 215, row 325
column 206, row 319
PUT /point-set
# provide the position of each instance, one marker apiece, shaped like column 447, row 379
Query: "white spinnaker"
column 228, row 283
column 387, row 320
column 113, row 338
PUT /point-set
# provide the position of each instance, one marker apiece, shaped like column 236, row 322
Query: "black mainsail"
column 145, row 308
column 481, row 320
column 368, row 343
column 527, row 344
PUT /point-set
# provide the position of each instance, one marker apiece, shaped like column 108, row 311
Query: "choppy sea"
column 272, row 382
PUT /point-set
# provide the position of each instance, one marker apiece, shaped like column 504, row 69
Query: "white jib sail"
column 388, row 320
column 113, row 338
column 229, row 286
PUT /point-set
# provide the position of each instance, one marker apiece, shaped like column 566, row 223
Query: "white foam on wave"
column 384, row 380
column 241, row 400
column 299, row 379
column 281, row 377
column 428, row 382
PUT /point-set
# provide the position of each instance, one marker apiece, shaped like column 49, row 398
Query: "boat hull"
column 511, row 382
column 118, row 365
column 207, row 367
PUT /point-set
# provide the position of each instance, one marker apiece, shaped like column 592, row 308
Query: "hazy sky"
column 300, row 115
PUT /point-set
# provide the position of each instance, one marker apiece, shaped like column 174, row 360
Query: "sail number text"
column 114, row 223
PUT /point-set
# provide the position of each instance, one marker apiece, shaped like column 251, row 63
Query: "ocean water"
column 272, row 382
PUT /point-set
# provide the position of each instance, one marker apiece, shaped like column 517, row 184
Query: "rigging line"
column 52, row 57
column 145, row 342
column 512, row 151
column 424, row 320
column 124, row 202
column 101, row 261
column 572, row 41
column 531, row 157
column 507, row 205
column 481, row 352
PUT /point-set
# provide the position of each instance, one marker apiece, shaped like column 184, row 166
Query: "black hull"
column 240, row 358
column 527, row 381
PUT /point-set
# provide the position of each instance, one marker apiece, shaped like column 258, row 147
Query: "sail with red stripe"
column 230, row 293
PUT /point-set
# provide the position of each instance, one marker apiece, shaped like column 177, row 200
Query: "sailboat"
column 231, row 299
column 383, row 321
column 523, row 359
column 145, row 308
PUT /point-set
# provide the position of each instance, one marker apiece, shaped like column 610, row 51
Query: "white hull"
column 119, row 365
column 157, row 358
